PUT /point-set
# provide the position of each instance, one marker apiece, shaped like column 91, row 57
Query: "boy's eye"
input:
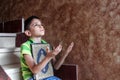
column 36, row 25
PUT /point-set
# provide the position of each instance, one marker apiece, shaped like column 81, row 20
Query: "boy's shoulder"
column 26, row 42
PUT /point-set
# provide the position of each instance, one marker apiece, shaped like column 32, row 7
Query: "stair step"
column 6, row 50
column 11, row 68
column 9, row 56
column 13, row 71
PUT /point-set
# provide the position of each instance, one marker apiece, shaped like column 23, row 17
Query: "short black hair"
column 28, row 21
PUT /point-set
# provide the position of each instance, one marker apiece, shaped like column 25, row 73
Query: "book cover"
column 39, row 53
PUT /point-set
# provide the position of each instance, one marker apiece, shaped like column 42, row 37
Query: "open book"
column 39, row 53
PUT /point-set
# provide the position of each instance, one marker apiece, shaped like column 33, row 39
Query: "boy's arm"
column 35, row 68
column 63, row 57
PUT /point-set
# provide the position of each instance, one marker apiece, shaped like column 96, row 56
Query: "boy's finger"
column 61, row 43
column 47, row 49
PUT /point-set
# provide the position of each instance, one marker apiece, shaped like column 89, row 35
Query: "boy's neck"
column 37, row 40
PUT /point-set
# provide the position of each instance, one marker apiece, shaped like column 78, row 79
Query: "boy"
column 34, row 30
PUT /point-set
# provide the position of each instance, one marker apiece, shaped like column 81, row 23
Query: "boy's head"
column 28, row 22
column 33, row 27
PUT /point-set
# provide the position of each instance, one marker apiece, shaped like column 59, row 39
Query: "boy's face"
column 36, row 28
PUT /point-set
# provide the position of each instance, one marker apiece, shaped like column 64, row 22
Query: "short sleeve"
column 25, row 49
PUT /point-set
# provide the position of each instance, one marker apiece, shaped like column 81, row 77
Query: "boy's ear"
column 27, row 33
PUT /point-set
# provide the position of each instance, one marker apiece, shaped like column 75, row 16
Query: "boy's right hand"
column 55, row 51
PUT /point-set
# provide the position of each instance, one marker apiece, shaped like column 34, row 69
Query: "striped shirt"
column 26, row 49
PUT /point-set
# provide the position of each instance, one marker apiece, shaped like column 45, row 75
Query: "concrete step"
column 9, row 56
column 7, row 40
column 10, row 62
column 13, row 71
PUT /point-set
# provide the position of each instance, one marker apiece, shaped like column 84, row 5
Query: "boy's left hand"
column 70, row 48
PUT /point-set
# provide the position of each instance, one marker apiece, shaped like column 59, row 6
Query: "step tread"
column 14, row 49
column 11, row 68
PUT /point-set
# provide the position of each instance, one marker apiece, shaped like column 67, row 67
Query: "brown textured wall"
column 94, row 26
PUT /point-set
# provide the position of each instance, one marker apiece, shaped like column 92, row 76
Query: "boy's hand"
column 49, row 53
column 57, row 50
column 68, row 50
column 70, row 47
